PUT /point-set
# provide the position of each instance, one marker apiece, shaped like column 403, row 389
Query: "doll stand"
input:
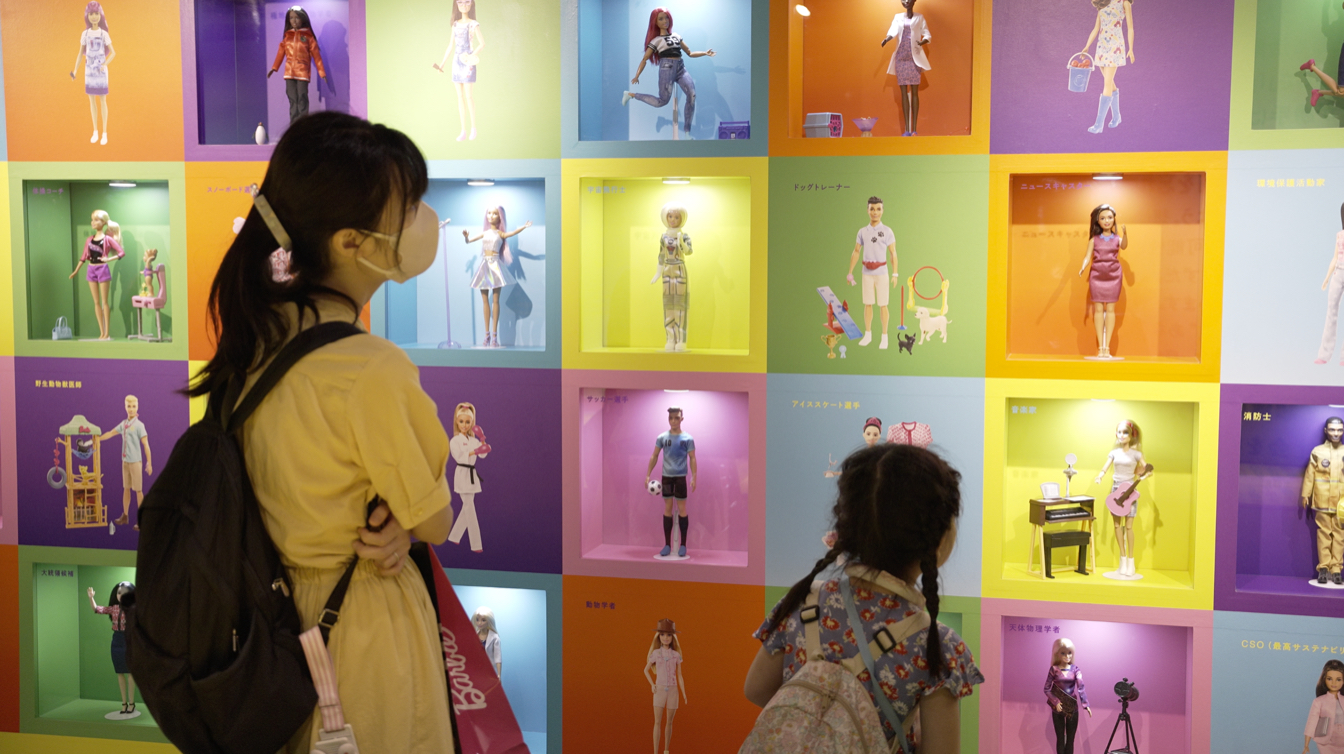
column 1326, row 585
column 676, row 543
column 1121, row 576
column 1103, row 358
column 119, row 715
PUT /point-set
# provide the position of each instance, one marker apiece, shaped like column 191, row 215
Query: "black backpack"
column 213, row 637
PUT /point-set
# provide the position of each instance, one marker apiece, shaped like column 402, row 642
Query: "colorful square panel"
column 55, row 312
column 1056, row 68
column 607, row 702
column 1253, row 652
column 1040, row 433
column 666, row 116
column 615, row 524
column 84, row 487
column 1285, row 248
column 422, row 79
column 1159, row 296
column 823, row 67
column 922, row 306
column 9, row 494
column 506, row 498
column 1270, row 544
column 632, row 306
column 125, row 91
column 1162, row 655
column 442, row 316
column 817, row 421
column 235, row 107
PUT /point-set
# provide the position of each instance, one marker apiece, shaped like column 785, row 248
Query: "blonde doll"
column 490, row 276
column 484, row 621
column 665, row 658
column 465, row 51
column 674, row 246
column 102, row 248
column 467, row 447
column 1127, row 458
column 1064, row 693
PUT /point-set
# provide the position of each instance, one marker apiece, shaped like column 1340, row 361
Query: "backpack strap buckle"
column 328, row 622
column 809, row 614
column 883, row 640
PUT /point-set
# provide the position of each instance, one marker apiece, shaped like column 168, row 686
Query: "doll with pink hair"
column 490, row 276
column 665, row 49
column 96, row 46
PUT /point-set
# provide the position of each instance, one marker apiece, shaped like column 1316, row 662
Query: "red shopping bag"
column 484, row 721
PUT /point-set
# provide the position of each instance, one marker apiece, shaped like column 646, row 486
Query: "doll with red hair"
column 666, row 50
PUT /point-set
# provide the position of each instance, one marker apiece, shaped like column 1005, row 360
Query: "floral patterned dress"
column 1110, row 42
column 903, row 673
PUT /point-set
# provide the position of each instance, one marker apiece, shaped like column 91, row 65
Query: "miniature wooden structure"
column 83, row 489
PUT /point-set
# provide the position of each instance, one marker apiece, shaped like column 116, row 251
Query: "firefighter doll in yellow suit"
column 1323, row 492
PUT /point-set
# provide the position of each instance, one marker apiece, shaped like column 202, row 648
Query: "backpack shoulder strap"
column 884, row 641
column 303, row 344
column 810, row 615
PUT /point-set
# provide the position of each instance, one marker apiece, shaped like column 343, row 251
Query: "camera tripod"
column 1130, row 738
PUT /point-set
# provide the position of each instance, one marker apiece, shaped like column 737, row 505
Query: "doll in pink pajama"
column 1325, row 722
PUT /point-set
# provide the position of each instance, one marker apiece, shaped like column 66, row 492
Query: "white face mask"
column 417, row 246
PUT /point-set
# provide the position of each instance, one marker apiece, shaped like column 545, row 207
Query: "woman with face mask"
column 349, row 423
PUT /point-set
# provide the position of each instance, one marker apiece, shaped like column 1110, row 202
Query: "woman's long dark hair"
column 1096, row 230
column 329, row 171
column 128, row 599
column 895, row 505
column 1330, row 665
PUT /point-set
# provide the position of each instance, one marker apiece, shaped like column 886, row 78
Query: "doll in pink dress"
column 1103, row 283
column 1325, row 722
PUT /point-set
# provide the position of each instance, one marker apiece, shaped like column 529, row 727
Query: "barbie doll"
column 1323, row 493
column 1103, row 284
column 673, row 248
column 490, row 277
column 299, row 51
column 1333, row 285
column 467, row 447
column 874, row 244
column 1111, row 54
column 907, row 60
column 102, row 248
column 133, row 462
column 484, row 620
column 872, row 431
column 1127, row 458
column 147, row 285
column 465, row 54
column 96, row 46
column 1332, row 84
column 1064, row 693
column 666, row 659
column 665, row 49
column 123, row 596
column 1325, row 722
column 678, row 450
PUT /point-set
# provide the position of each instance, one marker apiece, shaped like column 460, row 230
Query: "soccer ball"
column 655, row 487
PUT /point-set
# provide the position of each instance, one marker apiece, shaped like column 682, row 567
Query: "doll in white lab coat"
column 911, row 34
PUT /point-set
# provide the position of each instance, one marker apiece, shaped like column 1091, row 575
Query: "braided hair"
column 896, row 504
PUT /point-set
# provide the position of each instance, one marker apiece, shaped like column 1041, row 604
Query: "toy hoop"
column 56, row 477
column 914, row 291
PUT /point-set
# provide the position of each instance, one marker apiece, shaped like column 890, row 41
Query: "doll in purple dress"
column 96, row 46
column 1065, row 694
column 1103, row 284
column 101, row 248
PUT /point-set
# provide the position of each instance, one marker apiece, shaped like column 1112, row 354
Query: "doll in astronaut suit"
column 1323, row 492
column 673, row 248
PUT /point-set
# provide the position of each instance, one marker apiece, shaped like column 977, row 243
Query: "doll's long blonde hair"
column 463, row 407
column 676, row 644
column 1060, row 644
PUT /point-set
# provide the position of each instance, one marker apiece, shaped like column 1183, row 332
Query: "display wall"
column 1222, row 172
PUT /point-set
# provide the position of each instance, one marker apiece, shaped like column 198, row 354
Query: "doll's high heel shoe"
column 126, row 711
column 131, row 711
column 1307, row 65
column 462, row 136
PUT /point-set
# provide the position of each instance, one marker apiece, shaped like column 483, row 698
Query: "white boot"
column 883, row 344
column 1133, row 569
column 1129, row 566
column 867, row 338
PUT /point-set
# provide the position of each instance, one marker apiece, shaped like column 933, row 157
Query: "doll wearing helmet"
column 673, row 247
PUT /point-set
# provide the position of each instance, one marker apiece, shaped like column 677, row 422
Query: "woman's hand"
column 1089, row 711
column 1131, row 54
column 710, row 52
column 1059, row 706
column 527, row 224
column 635, row 80
column 72, row 277
column 388, row 547
column 885, row 40
column 465, row 235
column 923, row 42
column 1098, row 479
column 90, row 592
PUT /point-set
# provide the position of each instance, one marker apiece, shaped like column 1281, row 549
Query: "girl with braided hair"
column 895, row 526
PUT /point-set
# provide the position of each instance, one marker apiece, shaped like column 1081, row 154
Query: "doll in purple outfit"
column 1325, row 722
column 1064, row 693
column 102, row 247
column 1103, row 283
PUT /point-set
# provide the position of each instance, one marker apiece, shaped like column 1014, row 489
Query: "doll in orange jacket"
column 299, row 51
